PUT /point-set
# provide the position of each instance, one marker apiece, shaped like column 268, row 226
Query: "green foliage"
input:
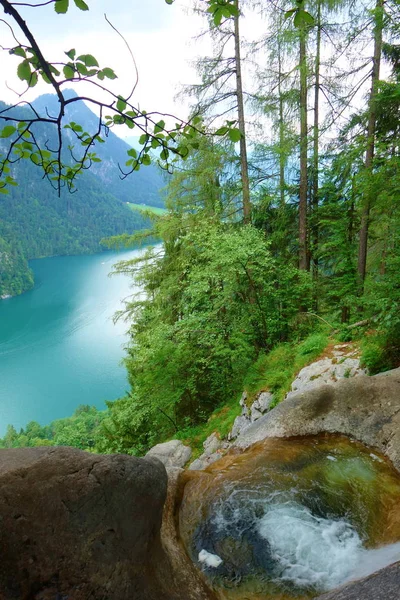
column 220, row 420
column 80, row 431
column 212, row 301
column 276, row 370
column 15, row 275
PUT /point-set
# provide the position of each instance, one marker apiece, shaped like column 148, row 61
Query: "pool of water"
column 292, row 518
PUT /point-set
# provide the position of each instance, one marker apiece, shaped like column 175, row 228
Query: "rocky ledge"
column 365, row 408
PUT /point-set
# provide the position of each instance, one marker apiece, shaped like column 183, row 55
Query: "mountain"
column 35, row 222
column 141, row 187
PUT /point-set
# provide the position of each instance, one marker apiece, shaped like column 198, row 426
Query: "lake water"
column 59, row 346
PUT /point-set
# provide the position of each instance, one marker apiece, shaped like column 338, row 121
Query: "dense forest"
column 35, row 222
column 275, row 237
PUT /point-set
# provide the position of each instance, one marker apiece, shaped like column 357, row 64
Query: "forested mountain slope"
column 35, row 222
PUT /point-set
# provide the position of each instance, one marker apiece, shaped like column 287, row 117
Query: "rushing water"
column 59, row 346
column 292, row 518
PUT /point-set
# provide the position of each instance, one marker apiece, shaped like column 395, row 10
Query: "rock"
column 327, row 371
column 172, row 454
column 383, row 585
column 240, row 424
column 212, row 444
column 260, row 405
column 204, row 461
column 76, row 525
column 184, row 573
column 365, row 408
column 243, row 399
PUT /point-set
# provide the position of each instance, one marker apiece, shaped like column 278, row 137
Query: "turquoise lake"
column 59, row 347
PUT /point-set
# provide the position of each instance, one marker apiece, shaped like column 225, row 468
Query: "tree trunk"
column 369, row 155
column 281, row 132
column 243, row 150
column 315, row 189
column 303, row 262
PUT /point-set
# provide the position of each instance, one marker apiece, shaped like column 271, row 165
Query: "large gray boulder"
column 172, row 454
column 365, row 408
column 81, row 526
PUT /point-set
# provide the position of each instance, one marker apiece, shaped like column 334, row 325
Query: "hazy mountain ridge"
column 35, row 222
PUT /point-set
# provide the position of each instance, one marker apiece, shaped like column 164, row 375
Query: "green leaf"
column 164, row 154
column 81, row 68
column 234, row 135
column 61, row 6
column 143, row 139
column 217, row 17
column 54, row 70
column 18, row 51
column 44, row 77
column 289, row 13
column 7, row 131
column 88, row 60
column 71, row 53
column 109, row 73
column 222, row 131
column 121, row 104
column 24, row 70
column 303, row 18
column 132, row 152
column 68, row 72
column 160, row 126
column 81, row 5
column 169, row 1
column 33, row 79
column 146, row 160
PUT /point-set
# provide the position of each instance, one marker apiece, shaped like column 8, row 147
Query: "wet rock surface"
column 383, row 585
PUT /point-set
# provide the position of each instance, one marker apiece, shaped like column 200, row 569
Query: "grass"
column 221, row 420
column 143, row 207
column 274, row 372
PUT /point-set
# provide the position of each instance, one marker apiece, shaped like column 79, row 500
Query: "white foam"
column 374, row 560
column 210, row 560
column 312, row 551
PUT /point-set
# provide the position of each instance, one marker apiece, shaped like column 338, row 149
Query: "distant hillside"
column 35, row 222
column 142, row 186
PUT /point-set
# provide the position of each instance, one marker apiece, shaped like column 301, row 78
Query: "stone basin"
column 292, row 518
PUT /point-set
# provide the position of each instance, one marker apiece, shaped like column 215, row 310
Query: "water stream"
column 292, row 518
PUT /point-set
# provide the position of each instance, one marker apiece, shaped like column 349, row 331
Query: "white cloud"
column 159, row 36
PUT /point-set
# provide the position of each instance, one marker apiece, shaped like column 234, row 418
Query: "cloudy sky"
column 160, row 37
